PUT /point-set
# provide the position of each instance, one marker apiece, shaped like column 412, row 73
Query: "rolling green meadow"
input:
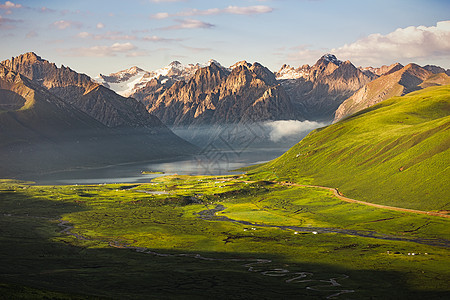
column 395, row 153
column 266, row 241
column 250, row 236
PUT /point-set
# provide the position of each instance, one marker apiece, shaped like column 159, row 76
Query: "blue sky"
column 100, row 36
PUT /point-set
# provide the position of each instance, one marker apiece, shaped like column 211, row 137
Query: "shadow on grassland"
column 33, row 265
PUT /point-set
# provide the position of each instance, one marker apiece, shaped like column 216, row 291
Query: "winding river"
column 210, row 214
column 258, row 265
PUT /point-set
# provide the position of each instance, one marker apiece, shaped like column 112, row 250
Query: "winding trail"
column 338, row 195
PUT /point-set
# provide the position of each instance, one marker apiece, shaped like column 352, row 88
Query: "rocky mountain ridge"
column 128, row 82
column 309, row 93
column 80, row 91
column 217, row 95
column 396, row 81
column 44, row 128
column 383, row 70
column 321, row 88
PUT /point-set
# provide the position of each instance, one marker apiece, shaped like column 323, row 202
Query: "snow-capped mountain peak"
column 288, row 72
column 122, row 82
column 331, row 58
column 240, row 63
column 126, row 82
column 133, row 70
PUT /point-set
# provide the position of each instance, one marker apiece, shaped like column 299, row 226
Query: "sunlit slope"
column 394, row 153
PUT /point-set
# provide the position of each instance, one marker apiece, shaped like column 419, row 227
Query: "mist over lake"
column 223, row 149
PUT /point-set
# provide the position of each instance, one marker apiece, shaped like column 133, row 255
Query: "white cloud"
column 64, row 24
column 155, row 38
column 84, row 35
column 61, row 24
column 102, row 51
column 161, row 15
column 189, row 24
column 235, row 10
column 100, row 25
column 419, row 44
column 280, row 130
column 110, row 35
column 47, row 10
column 9, row 5
column 137, row 54
column 410, row 43
column 250, row 10
column 165, row 1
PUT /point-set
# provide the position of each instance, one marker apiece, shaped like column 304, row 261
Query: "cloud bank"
column 403, row 43
column 234, row 10
column 110, row 35
column 64, row 24
column 8, row 6
column 291, row 129
column 103, row 51
column 189, row 24
column 166, row 1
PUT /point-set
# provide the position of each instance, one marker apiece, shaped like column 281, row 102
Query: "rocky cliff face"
column 288, row 72
column 40, row 132
column 215, row 95
column 395, row 82
column 319, row 90
column 27, row 108
column 436, row 69
column 80, row 91
column 130, row 81
column 306, row 93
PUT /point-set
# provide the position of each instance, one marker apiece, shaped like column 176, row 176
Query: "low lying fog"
column 270, row 134
column 290, row 129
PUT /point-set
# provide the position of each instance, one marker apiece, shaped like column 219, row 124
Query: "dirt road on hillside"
column 338, row 195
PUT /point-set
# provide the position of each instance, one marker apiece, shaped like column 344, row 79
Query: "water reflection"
column 212, row 163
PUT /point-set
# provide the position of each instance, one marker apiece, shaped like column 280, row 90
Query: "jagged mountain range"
column 61, row 118
column 251, row 92
column 55, row 118
column 81, row 91
column 192, row 94
column 127, row 82
column 216, row 95
column 321, row 88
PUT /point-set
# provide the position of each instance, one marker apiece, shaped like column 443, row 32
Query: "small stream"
column 257, row 265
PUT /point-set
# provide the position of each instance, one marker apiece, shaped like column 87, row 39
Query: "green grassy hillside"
column 394, row 153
